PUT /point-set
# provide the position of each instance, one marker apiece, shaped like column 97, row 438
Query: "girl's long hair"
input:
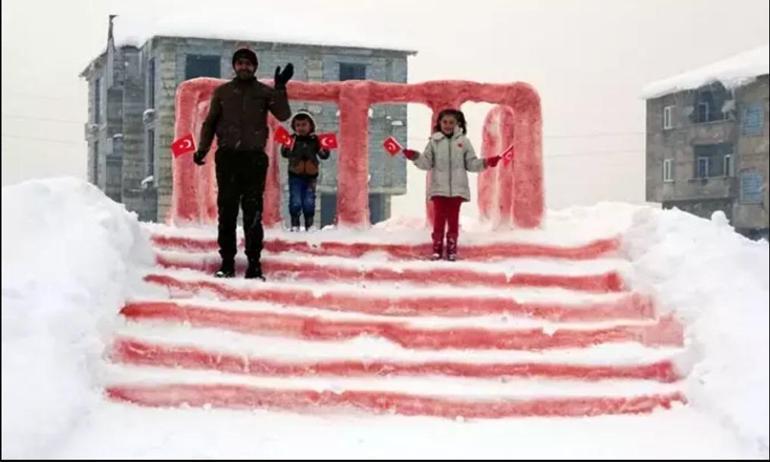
column 457, row 114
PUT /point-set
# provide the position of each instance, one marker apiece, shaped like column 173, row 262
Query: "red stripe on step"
column 243, row 397
column 630, row 306
column 137, row 352
column 591, row 250
column 184, row 243
column 282, row 269
column 664, row 332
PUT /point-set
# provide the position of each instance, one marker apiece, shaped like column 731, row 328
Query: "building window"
column 151, row 84
column 708, row 103
column 712, row 160
column 703, row 167
column 753, row 119
column 150, row 152
column 728, row 168
column 202, row 66
column 328, row 209
column 117, row 145
column 97, row 100
column 667, row 121
column 376, row 208
column 96, row 163
column 350, row 71
column 752, row 187
column 668, row 170
column 704, row 110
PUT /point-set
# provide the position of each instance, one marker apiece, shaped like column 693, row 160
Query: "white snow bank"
column 717, row 282
column 67, row 258
column 732, row 72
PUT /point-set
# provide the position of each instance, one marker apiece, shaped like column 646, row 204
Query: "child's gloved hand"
column 411, row 154
column 492, row 161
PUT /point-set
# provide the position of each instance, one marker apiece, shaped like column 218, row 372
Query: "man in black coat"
column 238, row 117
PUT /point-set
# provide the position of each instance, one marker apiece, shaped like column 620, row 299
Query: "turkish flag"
column 507, row 155
column 183, row 145
column 328, row 140
column 282, row 136
column 392, row 146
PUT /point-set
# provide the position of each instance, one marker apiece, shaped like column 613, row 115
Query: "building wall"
column 115, row 145
column 314, row 63
column 681, row 143
column 753, row 156
column 128, row 146
column 132, row 168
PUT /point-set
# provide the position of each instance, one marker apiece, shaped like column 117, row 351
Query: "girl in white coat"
column 449, row 155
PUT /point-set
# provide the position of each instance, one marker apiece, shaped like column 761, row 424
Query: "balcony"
column 715, row 187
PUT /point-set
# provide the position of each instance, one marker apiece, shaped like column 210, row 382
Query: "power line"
column 595, row 135
column 587, row 153
column 585, row 135
column 32, row 138
column 36, row 95
column 626, row 152
column 43, row 119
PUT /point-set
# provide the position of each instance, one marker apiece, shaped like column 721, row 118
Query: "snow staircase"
column 512, row 329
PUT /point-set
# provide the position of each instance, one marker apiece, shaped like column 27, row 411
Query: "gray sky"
column 588, row 59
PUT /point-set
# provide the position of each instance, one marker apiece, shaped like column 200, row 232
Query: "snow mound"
column 716, row 281
column 68, row 253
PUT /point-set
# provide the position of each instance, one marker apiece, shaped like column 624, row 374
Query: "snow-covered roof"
column 295, row 29
column 731, row 72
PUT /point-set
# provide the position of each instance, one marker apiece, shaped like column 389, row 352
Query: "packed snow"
column 135, row 31
column 70, row 257
column 732, row 72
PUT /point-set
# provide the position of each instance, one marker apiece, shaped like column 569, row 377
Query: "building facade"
column 132, row 112
column 707, row 150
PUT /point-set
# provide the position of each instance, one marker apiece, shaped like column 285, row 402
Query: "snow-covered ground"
column 70, row 257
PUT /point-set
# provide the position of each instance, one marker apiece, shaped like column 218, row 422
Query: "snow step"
column 666, row 332
column 310, row 401
column 593, row 249
column 282, row 268
column 138, row 352
column 620, row 306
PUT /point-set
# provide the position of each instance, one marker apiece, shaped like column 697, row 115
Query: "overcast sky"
column 588, row 59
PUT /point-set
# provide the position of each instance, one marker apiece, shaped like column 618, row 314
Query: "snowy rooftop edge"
column 731, row 72
column 130, row 33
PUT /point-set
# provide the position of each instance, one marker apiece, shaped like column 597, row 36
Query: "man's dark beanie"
column 245, row 53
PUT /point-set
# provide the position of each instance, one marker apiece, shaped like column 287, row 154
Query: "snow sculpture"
column 510, row 195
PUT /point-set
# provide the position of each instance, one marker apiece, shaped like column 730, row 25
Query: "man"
column 238, row 116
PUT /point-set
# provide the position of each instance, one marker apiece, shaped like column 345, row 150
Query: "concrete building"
column 131, row 113
column 707, row 141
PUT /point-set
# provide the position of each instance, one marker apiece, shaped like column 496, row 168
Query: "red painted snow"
column 664, row 332
column 244, row 397
column 140, row 353
column 194, row 190
column 630, row 306
column 493, row 251
column 280, row 269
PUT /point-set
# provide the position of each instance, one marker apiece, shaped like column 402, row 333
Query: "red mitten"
column 492, row 161
column 411, row 154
